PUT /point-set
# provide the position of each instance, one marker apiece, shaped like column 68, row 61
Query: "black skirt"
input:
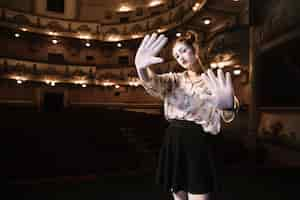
column 185, row 160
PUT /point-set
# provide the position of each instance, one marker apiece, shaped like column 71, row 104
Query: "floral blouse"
column 182, row 100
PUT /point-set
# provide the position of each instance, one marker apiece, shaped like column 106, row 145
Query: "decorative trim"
column 100, row 31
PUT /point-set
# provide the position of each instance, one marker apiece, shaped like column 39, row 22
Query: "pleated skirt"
column 185, row 161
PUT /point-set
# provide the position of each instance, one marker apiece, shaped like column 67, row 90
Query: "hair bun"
column 191, row 36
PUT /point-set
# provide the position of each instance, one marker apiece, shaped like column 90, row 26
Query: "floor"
column 237, row 182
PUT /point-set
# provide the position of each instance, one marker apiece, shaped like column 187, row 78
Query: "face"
column 184, row 55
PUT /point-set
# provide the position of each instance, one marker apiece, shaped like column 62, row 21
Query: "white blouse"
column 182, row 100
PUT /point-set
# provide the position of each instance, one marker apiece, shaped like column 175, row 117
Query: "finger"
column 151, row 40
column 228, row 80
column 155, row 60
column 156, row 41
column 160, row 45
column 212, row 78
column 208, row 82
column 145, row 40
column 221, row 77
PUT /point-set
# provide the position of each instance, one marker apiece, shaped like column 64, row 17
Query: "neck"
column 195, row 71
column 193, row 74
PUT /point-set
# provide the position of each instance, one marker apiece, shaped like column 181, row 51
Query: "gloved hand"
column 222, row 91
column 148, row 49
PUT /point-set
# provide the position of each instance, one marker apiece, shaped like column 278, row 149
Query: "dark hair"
column 191, row 39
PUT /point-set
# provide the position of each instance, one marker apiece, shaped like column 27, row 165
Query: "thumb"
column 156, row 60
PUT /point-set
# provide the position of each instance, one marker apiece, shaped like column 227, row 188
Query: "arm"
column 146, row 55
column 146, row 74
column 222, row 97
column 157, row 85
column 154, row 84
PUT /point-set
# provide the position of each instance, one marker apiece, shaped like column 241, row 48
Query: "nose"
column 181, row 59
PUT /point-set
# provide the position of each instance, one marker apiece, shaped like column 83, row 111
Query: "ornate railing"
column 98, row 31
column 23, row 70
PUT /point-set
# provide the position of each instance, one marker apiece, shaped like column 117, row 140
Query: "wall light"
column 237, row 72
column 125, row 8
column 87, row 44
column 17, row 35
column 54, row 41
column 155, row 3
column 206, row 21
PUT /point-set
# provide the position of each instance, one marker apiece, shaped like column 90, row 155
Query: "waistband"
column 184, row 123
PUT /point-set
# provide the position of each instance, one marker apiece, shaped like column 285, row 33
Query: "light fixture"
column 117, row 86
column 114, row 38
column 206, row 21
column 19, row 79
column 196, row 6
column 24, row 29
column 53, row 33
column 237, row 71
column 155, row 3
column 160, row 30
column 134, row 83
column 107, row 83
column 84, row 36
column 54, row 41
column 134, row 36
column 125, row 8
column 52, row 83
column 119, row 44
column 236, row 0
column 87, row 44
column 83, row 85
column 178, row 34
column 17, row 35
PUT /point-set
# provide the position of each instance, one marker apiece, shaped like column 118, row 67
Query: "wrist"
column 235, row 105
column 141, row 67
column 231, row 107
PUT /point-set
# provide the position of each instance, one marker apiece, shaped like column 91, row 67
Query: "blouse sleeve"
column 160, row 85
column 229, row 115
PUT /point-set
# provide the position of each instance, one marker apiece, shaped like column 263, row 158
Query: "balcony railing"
column 99, row 31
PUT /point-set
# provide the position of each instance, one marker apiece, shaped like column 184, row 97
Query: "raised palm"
column 148, row 50
column 222, row 90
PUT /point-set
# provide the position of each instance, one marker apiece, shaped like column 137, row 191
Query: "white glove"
column 149, row 48
column 222, row 91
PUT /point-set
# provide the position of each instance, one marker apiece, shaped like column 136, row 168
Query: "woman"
column 194, row 103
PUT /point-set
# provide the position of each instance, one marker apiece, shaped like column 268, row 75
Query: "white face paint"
column 184, row 55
